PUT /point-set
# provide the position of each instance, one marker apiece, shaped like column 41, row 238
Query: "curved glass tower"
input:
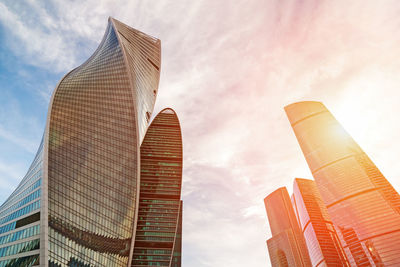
column 159, row 228
column 363, row 206
column 77, row 205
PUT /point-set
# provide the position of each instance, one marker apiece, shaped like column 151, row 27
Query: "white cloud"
column 28, row 145
column 228, row 70
column 13, row 171
column 42, row 38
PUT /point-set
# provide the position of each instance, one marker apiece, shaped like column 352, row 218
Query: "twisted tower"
column 77, row 205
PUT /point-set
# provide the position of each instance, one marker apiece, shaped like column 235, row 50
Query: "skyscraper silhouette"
column 363, row 206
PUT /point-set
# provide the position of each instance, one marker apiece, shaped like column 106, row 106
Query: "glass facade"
column 287, row 246
column 321, row 238
column 141, row 48
column 94, row 137
column 363, row 206
column 159, row 227
column 77, row 205
column 20, row 219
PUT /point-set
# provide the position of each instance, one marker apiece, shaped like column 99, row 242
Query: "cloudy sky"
column 228, row 69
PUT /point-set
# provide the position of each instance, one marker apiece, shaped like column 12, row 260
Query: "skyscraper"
column 319, row 233
column 363, row 206
column 159, row 230
column 78, row 203
column 287, row 246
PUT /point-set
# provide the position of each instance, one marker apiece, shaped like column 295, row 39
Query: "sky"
column 228, row 69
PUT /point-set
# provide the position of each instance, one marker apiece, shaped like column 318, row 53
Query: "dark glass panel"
column 159, row 228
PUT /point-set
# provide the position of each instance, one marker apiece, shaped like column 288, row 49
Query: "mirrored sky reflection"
column 228, row 71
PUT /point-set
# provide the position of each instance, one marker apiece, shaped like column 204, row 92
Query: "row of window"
column 166, row 234
column 7, row 228
column 160, row 201
column 152, row 251
column 19, row 248
column 31, row 207
column 34, row 172
column 24, row 193
column 24, row 201
column 27, row 261
column 28, row 232
column 156, row 228
column 155, row 238
column 150, row 257
column 149, row 263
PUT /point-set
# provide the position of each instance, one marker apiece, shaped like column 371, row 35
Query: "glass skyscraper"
column 322, row 241
column 159, row 230
column 78, row 205
column 362, row 204
column 287, row 246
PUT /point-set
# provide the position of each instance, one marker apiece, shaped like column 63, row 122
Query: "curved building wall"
column 77, row 204
column 93, row 147
column 20, row 219
column 363, row 206
column 143, row 49
column 159, row 228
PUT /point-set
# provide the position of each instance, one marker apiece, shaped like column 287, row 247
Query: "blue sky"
column 228, row 70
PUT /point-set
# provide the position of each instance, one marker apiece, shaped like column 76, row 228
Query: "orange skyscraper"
column 286, row 247
column 319, row 233
column 363, row 206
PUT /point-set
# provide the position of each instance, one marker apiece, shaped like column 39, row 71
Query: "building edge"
column 111, row 21
column 44, row 209
column 134, row 96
